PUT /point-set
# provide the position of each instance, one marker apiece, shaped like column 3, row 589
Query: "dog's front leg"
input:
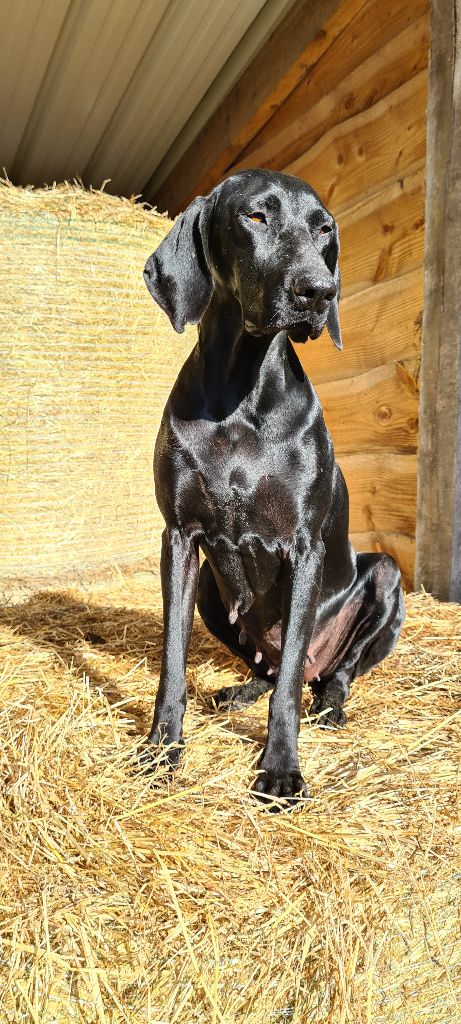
column 281, row 776
column 179, row 576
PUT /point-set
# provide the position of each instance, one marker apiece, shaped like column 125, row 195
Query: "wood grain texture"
column 375, row 411
column 371, row 28
column 401, row 547
column 384, row 72
column 383, row 238
column 262, row 88
column 382, row 491
column 379, row 325
column 438, row 560
column 370, row 150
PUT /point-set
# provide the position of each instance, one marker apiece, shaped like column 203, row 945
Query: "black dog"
column 245, row 469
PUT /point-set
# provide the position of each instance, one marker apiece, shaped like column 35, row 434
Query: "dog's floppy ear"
column 177, row 274
column 331, row 260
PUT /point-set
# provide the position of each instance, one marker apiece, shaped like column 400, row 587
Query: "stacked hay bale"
column 87, row 363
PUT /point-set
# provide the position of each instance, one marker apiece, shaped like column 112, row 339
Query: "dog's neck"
column 234, row 365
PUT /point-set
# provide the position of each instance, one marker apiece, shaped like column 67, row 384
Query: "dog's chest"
column 245, row 482
column 246, row 490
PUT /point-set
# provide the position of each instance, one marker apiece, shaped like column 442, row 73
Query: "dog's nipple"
column 242, row 637
column 258, row 657
column 233, row 614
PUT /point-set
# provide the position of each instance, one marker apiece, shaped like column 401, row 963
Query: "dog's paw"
column 330, row 713
column 158, row 755
column 234, row 698
column 280, row 792
column 229, row 697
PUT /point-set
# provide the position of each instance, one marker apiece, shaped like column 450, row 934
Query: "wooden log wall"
column 355, row 129
column 338, row 97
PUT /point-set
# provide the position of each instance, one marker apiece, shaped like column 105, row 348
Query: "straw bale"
column 127, row 899
column 87, row 363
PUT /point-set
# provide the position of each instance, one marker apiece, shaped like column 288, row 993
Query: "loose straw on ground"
column 126, row 899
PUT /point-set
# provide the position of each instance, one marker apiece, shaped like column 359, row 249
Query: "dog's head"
column 267, row 239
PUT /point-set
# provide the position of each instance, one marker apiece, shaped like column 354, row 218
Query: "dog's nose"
column 148, row 270
column 310, row 290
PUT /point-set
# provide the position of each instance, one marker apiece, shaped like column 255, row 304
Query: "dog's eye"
column 257, row 218
column 325, row 229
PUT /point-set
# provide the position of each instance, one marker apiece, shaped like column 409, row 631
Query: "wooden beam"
column 438, row 538
column 379, row 325
column 383, row 237
column 382, row 491
column 376, row 54
column 370, row 150
column 297, row 43
column 375, row 411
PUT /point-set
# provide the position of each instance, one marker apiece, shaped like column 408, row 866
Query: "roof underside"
column 101, row 89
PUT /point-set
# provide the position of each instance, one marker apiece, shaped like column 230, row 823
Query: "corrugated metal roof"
column 102, row 88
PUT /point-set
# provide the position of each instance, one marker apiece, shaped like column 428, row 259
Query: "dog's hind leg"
column 216, row 619
column 376, row 632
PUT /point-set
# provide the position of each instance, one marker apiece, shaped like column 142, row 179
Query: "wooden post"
column 438, row 534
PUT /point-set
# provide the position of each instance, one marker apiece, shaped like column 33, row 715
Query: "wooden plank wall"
column 355, row 129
